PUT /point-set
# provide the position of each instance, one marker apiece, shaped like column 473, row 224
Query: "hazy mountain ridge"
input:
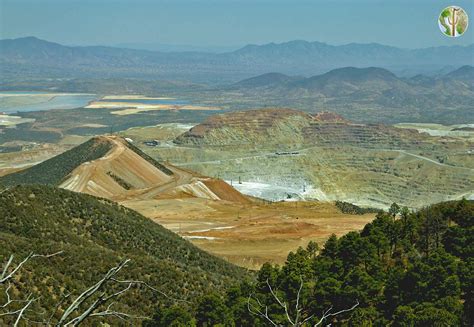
column 465, row 73
column 294, row 57
column 370, row 94
column 349, row 75
column 268, row 79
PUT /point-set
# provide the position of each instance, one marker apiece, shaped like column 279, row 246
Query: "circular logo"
column 453, row 21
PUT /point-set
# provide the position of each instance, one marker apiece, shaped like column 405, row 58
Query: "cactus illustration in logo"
column 453, row 21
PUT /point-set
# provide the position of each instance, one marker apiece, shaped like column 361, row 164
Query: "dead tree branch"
column 327, row 313
column 120, row 315
column 256, row 310
column 102, row 299
column 22, row 311
column 92, row 298
column 84, row 296
column 139, row 282
column 297, row 320
column 281, row 303
column 7, row 273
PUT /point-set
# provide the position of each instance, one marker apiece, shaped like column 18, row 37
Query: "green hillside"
column 95, row 234
column 54, row 170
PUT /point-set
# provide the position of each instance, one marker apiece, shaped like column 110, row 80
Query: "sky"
column 231, row 23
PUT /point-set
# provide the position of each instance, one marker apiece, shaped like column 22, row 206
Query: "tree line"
column 403, row 269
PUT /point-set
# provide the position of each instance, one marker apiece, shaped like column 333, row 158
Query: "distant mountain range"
column 351, row 79
column 465, row 73
column 341, row 80
column 365, row 94
column 30, row 56
column 163, row 47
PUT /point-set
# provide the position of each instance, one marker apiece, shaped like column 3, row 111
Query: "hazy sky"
column 404, row 23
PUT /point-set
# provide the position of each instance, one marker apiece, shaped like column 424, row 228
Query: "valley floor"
column 250, row 234
column 206, row 211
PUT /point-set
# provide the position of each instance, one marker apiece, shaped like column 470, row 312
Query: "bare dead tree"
column 327, row 313
column 7, row 273
column 139, row 282
column 67, row 319
column 85, row 305
column 294, row 319
column 92, row 310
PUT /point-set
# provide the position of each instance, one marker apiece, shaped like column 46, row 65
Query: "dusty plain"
column 253, row 233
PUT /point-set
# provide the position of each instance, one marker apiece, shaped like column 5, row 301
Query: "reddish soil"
column 225, row 192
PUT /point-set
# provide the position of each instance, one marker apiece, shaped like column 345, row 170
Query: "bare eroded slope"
column 124, row 173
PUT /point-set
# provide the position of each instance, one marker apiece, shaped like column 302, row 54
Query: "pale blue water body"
column 44, row 102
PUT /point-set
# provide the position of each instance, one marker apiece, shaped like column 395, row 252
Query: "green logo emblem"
column 453, row 21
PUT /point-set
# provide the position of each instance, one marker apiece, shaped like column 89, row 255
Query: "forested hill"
column 95, row 235
column 403, row 269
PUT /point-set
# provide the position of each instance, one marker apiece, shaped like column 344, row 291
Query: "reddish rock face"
column 327, row 116
column 281, row 127
column 249, row 119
